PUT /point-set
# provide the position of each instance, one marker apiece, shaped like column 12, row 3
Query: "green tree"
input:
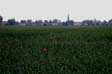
column 1, row 20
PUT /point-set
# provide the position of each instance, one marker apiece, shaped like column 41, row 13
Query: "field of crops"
column 55, row 50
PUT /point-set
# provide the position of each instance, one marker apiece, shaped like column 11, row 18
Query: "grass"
column 73, row 50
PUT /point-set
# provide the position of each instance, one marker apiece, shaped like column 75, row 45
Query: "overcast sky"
column 51, row 9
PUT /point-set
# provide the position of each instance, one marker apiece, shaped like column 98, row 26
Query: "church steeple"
column 68, row 18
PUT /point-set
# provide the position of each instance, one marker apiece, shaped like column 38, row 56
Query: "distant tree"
column 23, row 21
column 46, row 23
column 104, row 23
column 56, row 22
column 95, row 22
column 11, row 22
column 110, row 22
column 88, row 22
column 39, row 23
column 29, row 22
column 1, row 20
column 50, row 22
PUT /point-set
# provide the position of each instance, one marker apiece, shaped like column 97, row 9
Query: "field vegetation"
column 55, row 50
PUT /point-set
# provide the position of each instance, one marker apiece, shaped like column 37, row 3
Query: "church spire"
column 68, row 18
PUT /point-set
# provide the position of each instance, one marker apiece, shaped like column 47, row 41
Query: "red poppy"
column 45, row 49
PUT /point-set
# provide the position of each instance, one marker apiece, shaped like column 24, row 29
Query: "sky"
column 78, row 10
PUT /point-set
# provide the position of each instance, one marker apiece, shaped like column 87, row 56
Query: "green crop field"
column 55, row 50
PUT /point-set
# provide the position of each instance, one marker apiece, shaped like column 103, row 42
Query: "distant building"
column 68, row 18
column 77, row 23
column 68, row 21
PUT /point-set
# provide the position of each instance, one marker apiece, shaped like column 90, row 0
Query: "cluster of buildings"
column 54, row 22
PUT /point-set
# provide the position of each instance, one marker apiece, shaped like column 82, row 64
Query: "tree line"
column 54, row 22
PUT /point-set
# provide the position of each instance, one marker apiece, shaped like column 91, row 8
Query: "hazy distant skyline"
column 50, row 9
